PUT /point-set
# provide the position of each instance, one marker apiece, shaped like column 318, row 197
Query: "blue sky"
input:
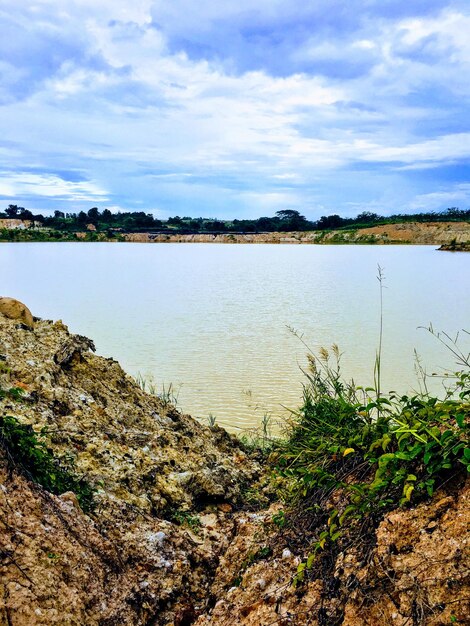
column 234, row 108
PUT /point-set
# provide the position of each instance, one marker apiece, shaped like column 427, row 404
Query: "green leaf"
column 385, row 441
column 310, row 560
column 351, row 508
column 404, row 456
column 445, row 435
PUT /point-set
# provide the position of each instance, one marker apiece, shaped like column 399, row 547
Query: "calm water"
column 213, row 319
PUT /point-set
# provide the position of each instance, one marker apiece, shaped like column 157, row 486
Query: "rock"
column 75, row 344
column 141, row 457
column 224, row 507
column 69, row 496
column 16, row 310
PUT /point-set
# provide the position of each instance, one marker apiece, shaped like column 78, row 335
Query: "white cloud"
column 50, row 186
column 434, row 151
column 458, row 195
column 147, row 120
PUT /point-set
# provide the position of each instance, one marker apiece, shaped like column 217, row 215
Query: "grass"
column 187, row 520
column 353, row 454
column 33, row 234
column 260, row 438
column 167, row 394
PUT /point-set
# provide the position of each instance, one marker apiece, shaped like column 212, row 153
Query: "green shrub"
column 27, row 450
column 375, row 451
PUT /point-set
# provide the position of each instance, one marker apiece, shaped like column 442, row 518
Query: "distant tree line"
column 284, row 220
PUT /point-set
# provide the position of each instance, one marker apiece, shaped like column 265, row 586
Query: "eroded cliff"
column 128, row 562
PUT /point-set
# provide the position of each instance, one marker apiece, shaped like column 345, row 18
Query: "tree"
column 13, row 210
column 93, row 215
column 292, row 220
column 366, row 217
column 330, row 221
column 288, row 214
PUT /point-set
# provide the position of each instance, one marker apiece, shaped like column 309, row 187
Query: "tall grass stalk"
column 378, row 354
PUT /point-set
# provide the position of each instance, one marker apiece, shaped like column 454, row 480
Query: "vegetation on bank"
column 355, row 453
column 104, row 222
column 46, row 234
column 27, row 451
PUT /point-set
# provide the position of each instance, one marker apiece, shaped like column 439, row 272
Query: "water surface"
column 213, row 319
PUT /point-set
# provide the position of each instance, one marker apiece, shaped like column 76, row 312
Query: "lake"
column 212, row 319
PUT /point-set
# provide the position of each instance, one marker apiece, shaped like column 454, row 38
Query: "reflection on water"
column 213, row 319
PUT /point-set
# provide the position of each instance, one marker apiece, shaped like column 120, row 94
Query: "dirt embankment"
column 132, row 561
column 172, row 539
column 436, row 233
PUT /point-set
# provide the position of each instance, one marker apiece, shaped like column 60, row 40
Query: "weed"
column 253, row 557
column 212, row 420
column 187, row 519
column 280, row 519
column 253, row 496
column 168, row 395
column 378, row 356
column 25, row 449
column 53, row 557
column 377, row 451
column 13, row 393
column 259, row 438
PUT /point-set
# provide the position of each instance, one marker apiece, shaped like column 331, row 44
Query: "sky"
column 235, row 108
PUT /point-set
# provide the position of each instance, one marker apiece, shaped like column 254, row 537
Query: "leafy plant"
column 13, row 393
column 375, row 451
column 280, row 519
column 27, row 450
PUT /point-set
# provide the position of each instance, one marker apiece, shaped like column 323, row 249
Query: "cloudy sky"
column 235, row 108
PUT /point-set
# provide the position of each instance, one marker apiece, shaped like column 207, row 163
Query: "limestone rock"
column 127, row 562
column 76, row 344
column 16, row 310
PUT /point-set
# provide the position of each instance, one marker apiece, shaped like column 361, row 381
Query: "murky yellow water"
column 212, row 319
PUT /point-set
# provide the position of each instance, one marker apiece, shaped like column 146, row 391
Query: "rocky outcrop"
column 433, row 233
column 454, row 246
column 14, row 223
column 416, row 570
column 172, row 539
column 133, row 560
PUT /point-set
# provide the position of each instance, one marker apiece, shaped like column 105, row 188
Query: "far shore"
column 451, row 236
